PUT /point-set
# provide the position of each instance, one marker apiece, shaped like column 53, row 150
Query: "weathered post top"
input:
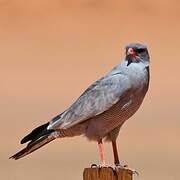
column 107, row 173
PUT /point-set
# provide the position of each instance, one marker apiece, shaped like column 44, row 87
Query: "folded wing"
column 99, row 97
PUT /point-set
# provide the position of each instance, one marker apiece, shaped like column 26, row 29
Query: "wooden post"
column 107, row 173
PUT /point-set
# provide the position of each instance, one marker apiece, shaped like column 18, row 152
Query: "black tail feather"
column 32, row 146
column 37, row 133
column 38, row 138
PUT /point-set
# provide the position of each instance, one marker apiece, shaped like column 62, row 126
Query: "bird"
column 102, row 109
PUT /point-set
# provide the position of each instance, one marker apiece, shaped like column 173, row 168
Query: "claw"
column 115, row 167
column 119, row 166
column 94, row 165
column 101, row 166
column 135, row 172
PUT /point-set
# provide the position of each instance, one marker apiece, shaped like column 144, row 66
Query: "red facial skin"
column 131, row 52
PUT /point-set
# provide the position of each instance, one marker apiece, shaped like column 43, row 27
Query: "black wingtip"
column 36, row 132
column 25, row 139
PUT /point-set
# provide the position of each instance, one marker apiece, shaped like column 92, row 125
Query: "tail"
column 38, row 138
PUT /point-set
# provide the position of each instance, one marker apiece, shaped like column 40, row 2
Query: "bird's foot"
column 116, row 167
column 135, row 172
column 119, row 166
column 102, row 165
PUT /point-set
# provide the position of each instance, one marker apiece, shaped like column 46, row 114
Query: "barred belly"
column 107, row 124
column 102, row 124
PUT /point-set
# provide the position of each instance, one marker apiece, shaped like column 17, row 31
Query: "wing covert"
column 99, row 97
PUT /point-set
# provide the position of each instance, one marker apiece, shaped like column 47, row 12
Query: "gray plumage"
column 103, row 108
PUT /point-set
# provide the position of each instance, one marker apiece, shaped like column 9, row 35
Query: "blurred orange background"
column 51, row 51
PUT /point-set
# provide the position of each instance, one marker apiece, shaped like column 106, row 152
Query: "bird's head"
column 136, row 53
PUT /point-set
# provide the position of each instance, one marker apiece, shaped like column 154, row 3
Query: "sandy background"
column 50, row 51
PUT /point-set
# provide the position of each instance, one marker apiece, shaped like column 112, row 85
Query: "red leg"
column 115, row 152
column 101, row 152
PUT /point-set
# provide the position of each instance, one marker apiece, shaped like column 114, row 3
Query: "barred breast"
column 102, row 125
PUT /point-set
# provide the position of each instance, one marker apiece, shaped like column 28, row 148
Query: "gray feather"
column 99, row 97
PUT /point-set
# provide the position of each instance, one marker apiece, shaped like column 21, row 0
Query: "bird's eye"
column 140, row 50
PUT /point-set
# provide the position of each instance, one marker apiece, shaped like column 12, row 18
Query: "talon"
column 94, row 166
column 101, row 166
column 104, row 165
column 135, row 172
column 119, row 166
